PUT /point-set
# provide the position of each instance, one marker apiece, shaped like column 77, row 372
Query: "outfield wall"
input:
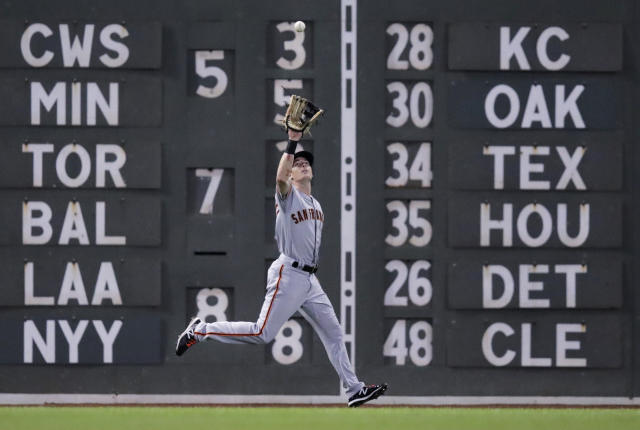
column 476, row 166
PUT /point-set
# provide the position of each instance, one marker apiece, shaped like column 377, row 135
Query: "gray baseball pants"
column 290, row 290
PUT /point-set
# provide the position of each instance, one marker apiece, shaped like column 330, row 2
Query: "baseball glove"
column 301, row 114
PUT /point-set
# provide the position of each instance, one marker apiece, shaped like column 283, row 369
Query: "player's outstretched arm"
column 284, row 171
column 286, row 163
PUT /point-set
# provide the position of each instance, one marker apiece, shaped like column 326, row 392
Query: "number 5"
column 205, row 71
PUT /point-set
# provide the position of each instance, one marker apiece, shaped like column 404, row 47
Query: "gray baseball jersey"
column 299, row 221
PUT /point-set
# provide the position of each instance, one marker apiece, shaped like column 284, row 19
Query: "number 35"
column 399, row 223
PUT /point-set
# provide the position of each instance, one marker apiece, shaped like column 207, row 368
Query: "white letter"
column 57, row 97
column 29, row 222
column 95, row 98
column 526, row 359
column 107, row 338
column 106, row 286
column 526, row 286
column 73, row 338
column 29, row 296
column 113, row 167
column 562, row 345
column 487, row 224
column 570, row 270
column 487, row 286
column 487, row 347
column 37, row 149
column 76, row 103
column 541, row 48
column 583, row 233
column 498, row 153
column 527, row 167
column 571, row 168
column 490, row 106
column 73, row 227
column 536, row 109
column 509, row 48
column 25, row 45
column 72, row 286
column 47, row 348
column 101, row 236
column 547, row 223
column 61, row 165
column 568, row 106
column 118, row 47
column 80, row 51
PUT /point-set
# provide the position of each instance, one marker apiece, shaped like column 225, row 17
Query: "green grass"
column 322, row 418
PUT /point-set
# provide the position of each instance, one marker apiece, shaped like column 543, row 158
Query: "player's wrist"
column 291, row 146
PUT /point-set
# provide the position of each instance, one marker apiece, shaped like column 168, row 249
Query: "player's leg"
column 318, row 311
column 282, row 300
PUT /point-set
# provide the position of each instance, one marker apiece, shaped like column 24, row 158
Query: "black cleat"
column 367, row 393
column 187, row 338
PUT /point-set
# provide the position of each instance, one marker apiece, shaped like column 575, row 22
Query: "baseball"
column 299, row 26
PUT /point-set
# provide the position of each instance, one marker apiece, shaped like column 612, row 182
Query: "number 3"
column 295, row 45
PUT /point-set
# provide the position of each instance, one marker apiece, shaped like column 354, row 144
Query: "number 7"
column 212, row 189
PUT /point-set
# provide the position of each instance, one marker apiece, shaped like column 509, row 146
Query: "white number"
column 393, row 60
column 391, row 297
column 421, row 91
column 420, row 288
column 396, row 343
column 420, row 53
column 399, row 104
column 420, row 352
column 399, row 222
column 292, row 341
column 295, row 45
column 420, row 169
column 212, row 189
column 419, row 223
column 279, row 96
column 218, row 311
column 420, row 343
column 399, row 165
column 205, row 71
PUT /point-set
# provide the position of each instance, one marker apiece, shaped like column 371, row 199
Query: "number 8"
column 218, row 311
column 292, row 341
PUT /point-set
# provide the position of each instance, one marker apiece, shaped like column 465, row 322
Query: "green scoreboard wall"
column 476, row 164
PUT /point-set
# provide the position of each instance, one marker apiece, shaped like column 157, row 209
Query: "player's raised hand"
column 294, row 135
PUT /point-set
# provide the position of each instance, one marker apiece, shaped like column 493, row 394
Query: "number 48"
column 420, row 349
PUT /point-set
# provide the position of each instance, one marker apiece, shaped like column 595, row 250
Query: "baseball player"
column 291, row 282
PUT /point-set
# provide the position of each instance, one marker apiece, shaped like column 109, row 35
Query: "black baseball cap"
column 306, row 155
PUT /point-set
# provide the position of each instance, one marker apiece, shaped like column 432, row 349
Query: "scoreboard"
column 476, row 164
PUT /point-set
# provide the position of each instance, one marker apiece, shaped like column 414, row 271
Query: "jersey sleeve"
column 284, row 203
